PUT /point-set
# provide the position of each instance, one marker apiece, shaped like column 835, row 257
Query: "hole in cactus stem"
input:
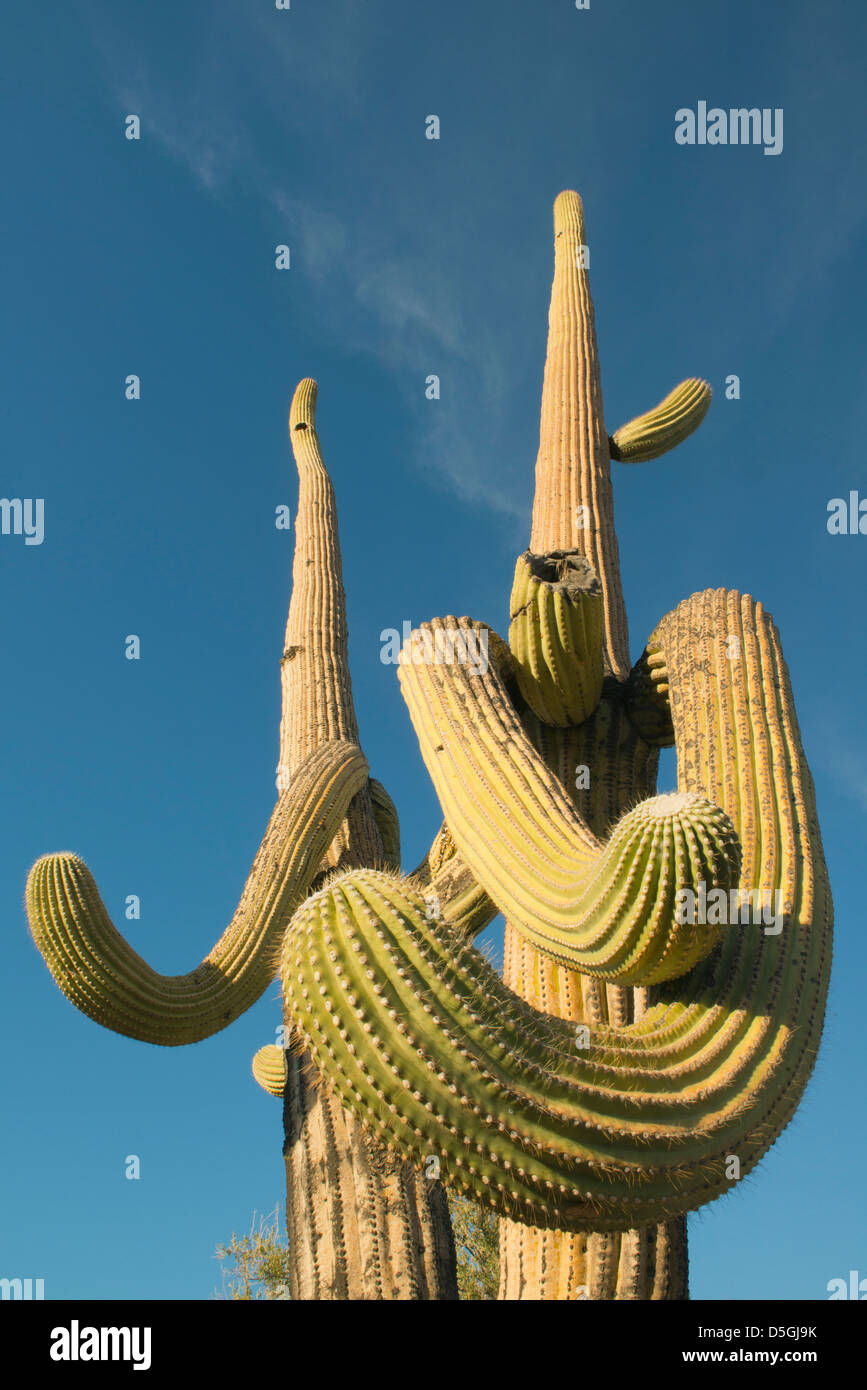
column 568, row 570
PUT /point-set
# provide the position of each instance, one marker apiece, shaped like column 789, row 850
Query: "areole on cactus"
column 695, row 1038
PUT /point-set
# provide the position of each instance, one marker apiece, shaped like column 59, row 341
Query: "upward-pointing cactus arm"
column 358, row 1226
column 106, row 979
column 317, row 687
column 573, row 504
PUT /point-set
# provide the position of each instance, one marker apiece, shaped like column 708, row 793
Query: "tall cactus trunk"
column 361, row 1223
column 573, row 509
column 650, row 1263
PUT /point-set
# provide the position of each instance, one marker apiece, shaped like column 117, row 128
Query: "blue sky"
column 409, row 257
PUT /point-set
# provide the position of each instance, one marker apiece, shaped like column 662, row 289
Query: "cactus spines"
column 650, row 1263
column 555, row 635
column 106, row 979
column 664, row 427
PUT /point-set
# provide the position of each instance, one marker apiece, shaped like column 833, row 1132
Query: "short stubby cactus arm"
column 425, row 1042
column 269, row 1069
column 555, row 635
column 610, row 910
column 664, row 427
column 106, row 979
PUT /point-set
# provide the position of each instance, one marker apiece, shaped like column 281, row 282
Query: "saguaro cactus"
column 636, row 1058
column 700, row 1044
column 362, row 1224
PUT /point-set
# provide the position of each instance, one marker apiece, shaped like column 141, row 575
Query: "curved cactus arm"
column 269, row 1069
column 424, row 1041
column 610, row 910
column 106, row 979
column 663, row 428
column 555, row 635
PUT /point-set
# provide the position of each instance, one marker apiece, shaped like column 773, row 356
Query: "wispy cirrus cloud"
column 221, row 122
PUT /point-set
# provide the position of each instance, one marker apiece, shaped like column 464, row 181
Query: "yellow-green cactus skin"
column 269, row 1069
column 667, row 425
column 636, row 1058
column 555, row 635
